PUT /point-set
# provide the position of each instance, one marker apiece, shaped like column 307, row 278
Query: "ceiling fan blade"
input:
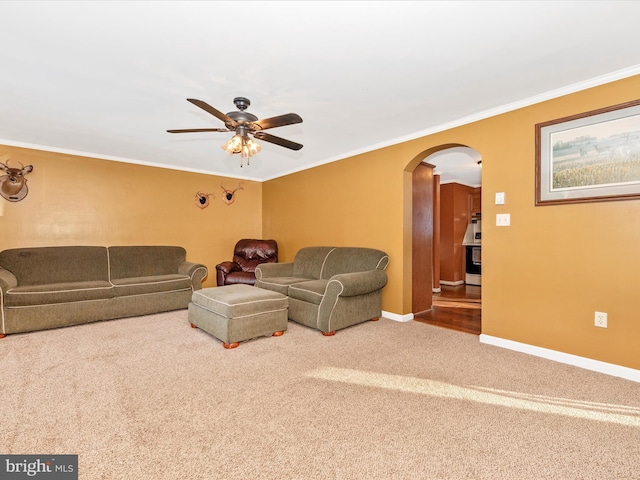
column 279, row 121
column 188, row 130
column 228, row 121
column 277, row 140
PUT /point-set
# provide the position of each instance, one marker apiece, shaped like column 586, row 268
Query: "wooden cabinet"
column 475, row 201
column 457, row 205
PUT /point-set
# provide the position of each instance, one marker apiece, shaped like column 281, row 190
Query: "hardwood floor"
column 456, row 307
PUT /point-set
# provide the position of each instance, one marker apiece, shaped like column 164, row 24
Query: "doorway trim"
column 410, row 244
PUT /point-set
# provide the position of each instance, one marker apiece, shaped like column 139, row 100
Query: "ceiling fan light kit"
column 245, row 124
column 246, row 147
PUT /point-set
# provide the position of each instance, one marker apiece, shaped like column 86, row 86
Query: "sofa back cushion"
column 353, row 259
column 144, row 261
column 45, row 265
column 309, row 261
column 249, row 253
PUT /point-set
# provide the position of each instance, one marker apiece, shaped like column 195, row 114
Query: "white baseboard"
column 398, row 318
column 567, row 358
column 447, row 282
column 473, row 279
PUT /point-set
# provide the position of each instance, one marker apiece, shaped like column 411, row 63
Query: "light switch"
column 503, row 219
column 499, row 198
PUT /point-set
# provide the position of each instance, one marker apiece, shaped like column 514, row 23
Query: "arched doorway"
column 446, row 186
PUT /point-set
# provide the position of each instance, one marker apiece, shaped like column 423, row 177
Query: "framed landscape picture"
column 589, row 157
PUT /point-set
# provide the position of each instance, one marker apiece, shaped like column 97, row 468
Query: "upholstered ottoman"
column 234, row 313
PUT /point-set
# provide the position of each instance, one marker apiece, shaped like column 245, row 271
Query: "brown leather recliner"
column 247, row 255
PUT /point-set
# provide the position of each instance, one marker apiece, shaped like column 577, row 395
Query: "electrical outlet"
column 600, row 319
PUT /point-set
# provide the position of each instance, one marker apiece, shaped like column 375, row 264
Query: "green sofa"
column 329, row 288
column 50, row 287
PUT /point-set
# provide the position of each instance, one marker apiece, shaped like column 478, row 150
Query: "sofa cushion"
column 309, row 262
column 246, row 278
column 46, row 265
column 247, row 264
column 150, row 284
column 353, row 259
column 310, row 291
column 279, row 284
column 55, row 293
column 144, row 261
column 250, row 252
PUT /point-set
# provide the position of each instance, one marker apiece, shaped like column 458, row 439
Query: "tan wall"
column 76, row 200
column 346, row 203
column 543, row 277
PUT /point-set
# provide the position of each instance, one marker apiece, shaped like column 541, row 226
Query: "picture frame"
column 589, row 157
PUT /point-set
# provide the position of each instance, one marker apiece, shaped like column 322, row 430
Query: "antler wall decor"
column 13, row 185
column 202, row 199
column 229, row 195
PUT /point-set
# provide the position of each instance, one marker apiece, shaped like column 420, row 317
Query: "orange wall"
column 543, row 277
column 76, row 200
column 346, row 203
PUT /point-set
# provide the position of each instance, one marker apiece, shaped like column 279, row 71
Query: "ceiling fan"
column 245, row 124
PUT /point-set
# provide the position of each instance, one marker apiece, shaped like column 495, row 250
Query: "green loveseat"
column 329, row 288
column 50, row 287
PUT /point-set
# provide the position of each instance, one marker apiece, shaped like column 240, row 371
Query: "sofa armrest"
column 196, row 271
column 228, row 267
column 269, row 270
column 223, row 269
column 7, row 280
column 356, row 283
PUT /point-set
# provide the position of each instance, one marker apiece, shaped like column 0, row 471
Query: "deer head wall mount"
column 13, row 185
column 202, row 199
column 229, row 196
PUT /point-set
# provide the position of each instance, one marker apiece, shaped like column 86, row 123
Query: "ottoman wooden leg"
column 193, row 326
column 329, row 334
column 2, row 335
column 230, row 345
column 277, row 334
column 375, row 319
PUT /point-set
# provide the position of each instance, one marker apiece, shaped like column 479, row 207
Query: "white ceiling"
column 457, row 165
column 107, row 79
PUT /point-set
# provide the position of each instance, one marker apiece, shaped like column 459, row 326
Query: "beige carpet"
column 152, row 398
